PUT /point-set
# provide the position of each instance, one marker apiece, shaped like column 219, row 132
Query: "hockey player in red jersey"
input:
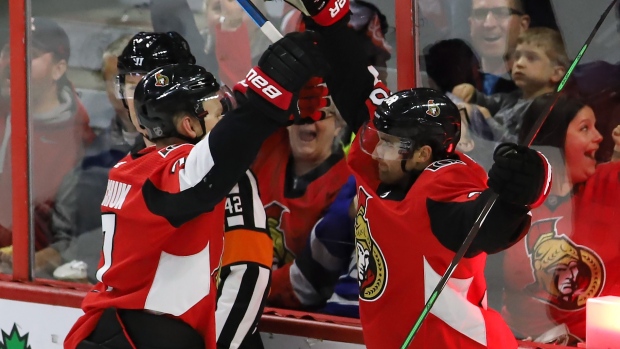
column 164, row 211
column 418, row 199
column 245, row 274
column 144, row 52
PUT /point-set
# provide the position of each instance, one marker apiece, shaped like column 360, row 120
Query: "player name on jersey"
column 115, row 194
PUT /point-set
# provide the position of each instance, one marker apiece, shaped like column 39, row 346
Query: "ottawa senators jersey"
column 400, row 261
column 569, row 255
column 162, row 240
column 283, row 199
column 293, row 205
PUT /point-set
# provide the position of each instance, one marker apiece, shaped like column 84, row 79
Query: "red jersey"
column 569, row 255
column 291, row 213
column 400, row 261
column 161, row 246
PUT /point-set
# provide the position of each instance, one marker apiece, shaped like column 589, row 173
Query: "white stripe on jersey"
column 260, row 218
column 229, row 293
column 235, row 221
column 108, row 224
column 230, row 289
column 198, row 163
column 180, row 282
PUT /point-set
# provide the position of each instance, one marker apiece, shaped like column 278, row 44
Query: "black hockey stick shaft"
column 491, row 201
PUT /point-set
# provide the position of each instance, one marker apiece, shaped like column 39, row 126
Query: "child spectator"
column 540, row 62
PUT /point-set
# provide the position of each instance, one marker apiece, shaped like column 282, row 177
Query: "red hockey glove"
column 284, row 68
column 312, row 98
column 323, row 12
column 520, row 175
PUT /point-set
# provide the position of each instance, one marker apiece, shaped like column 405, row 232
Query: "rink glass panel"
column 569, row 255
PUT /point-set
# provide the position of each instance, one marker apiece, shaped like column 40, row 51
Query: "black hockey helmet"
column 149, row 50
column 410, row 119
column 167, row 91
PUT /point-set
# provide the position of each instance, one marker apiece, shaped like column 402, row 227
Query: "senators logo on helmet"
column 161, row 80
column 433, row 108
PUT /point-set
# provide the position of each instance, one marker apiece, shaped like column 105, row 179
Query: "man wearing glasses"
column 495, row 26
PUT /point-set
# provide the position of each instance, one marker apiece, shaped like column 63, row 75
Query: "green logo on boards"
column 13, row 340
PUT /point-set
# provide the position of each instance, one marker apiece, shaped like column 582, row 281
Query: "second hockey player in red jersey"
column 418, row 199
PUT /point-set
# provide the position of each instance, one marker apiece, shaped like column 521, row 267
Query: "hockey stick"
column 487, row 207
column 263, row 23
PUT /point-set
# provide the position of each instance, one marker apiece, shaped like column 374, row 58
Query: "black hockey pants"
column 145, row 330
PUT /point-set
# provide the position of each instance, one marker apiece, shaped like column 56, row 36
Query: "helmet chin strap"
column 195, row 140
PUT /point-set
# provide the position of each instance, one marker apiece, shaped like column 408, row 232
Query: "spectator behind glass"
column 327, row 266
column 571, row 251
column 495, row 26
column 123, row 131
column 300, row 172
column 76, row 218
column 540, row 62
column 233, row 41
column 60, row 129
column 450, row 63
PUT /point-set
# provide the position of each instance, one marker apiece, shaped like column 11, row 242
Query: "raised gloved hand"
column 520, row 175
column 284, row 68
column 313, row 97
column 323, row 12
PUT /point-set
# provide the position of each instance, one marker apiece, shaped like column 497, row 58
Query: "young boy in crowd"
column 540, row 62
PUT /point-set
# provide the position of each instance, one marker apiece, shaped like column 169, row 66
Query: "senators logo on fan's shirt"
column 566, row 274
column 371, row 266
column 281, row 253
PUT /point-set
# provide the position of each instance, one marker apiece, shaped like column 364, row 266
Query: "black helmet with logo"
column 149, row 50
column 169, row 90
column 420, row 116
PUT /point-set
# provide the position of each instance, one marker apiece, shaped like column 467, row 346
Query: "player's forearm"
column 349, row 81
column 234, row 143
column 241, row 299
column 505, row 224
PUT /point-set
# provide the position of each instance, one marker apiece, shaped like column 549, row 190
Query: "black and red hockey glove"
column 520, row 175
column 323, row 12
column 284, row 68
